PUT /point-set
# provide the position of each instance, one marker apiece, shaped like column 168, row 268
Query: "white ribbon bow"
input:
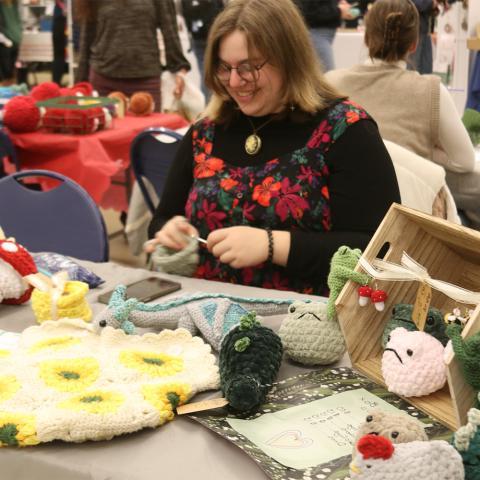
column 411, row 270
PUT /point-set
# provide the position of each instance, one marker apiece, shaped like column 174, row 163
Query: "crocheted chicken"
column 66, row 382
column 379, row 459
column 309, row 337
column 467, row 442
column 15, row 264
column 412, row 363
column 249, row 361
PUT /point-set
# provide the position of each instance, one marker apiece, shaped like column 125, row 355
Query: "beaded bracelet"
column 270, row 245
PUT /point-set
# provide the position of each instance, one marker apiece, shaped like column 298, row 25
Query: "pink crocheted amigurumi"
column 412, row 363
column 378, row 459
column 15, row 263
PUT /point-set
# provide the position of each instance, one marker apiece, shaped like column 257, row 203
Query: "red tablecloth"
column 91, row 160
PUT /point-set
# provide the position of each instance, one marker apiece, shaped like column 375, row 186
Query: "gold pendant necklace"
column 253, row 143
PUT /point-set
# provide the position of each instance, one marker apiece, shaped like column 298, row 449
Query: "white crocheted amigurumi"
column 413, row 363
column 378, row 459
column 65, row 382
column 309, row 336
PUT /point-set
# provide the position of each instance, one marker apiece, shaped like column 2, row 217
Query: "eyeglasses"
column 246, row 71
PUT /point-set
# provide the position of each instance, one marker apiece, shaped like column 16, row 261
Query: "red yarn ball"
column 45, row 91
column 21, row 114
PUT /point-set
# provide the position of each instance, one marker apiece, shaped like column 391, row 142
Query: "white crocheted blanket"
column 63, row 381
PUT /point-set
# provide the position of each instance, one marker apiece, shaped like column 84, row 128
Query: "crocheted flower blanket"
column 65, row 382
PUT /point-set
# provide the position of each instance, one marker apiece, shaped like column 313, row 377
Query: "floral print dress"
column 285, row 193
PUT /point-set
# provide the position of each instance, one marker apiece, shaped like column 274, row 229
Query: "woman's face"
column 254, row 98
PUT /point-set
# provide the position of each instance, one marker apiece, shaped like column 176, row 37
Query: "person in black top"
column 282, row 170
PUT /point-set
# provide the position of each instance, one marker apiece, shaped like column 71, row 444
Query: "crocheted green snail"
column 342, row 267
column 468, row 354
column 467, row 441
column 250, row 358
column 402, row 317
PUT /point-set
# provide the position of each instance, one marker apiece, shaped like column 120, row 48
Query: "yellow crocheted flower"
column 98, row 402
column 153, row 364
column 166, row 397
column 4, row 353
column 17, row 430
column 69, row 375
column 8, row 387
column 54, row 343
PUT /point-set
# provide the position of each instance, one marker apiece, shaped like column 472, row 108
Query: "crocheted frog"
column 398, row 427
column 412, row 363
column 402, row 317
column 249, row 361
column 342, row 266
column 379, row 459
column 467, row 352
column 467, row 441
column 213, row 314
column 309, row 337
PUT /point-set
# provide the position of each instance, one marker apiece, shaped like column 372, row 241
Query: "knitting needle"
column 199, row 239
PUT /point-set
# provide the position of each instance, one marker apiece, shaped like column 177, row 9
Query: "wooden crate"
column 449, row 252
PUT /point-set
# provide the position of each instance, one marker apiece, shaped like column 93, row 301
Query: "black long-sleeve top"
column 361, row 183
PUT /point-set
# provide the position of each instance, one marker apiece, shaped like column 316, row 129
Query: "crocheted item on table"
column 378, row 459
column 467, row 441
column 15, row 263
column 402, row 317
column 412, row 363
column 249, row 360
column 397, row 427
column 309, row 337
column 211, row 313
column 65, row 382
column 178, row 262
column 342, row 267
column 72, row 303
column 467, row 352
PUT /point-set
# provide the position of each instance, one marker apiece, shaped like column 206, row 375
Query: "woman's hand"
column 239, row 247
column 179, row 84
column 174, row 234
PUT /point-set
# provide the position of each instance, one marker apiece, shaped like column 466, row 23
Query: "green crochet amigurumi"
column 250, row 357
column 467, row 441
column 402, row 317
column 342, row 267
column 468, row 354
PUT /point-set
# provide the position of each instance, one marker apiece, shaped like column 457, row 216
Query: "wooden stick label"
column 203, row 405
column 422, row 303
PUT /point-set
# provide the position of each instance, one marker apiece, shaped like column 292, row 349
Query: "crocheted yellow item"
column 72, row 303
column 65, row 382
column 4, row 353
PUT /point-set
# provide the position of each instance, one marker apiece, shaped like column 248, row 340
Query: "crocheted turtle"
column 412, row 363
column 467, row 441
column 249, row 360
column 467, row 352
column 15, row 264
column 402, row 317
column 398, row 427
column 309, row 337
column 379, row 459
column 342, row 267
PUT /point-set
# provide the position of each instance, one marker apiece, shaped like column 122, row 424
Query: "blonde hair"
column 391, row 29
column 276, row 29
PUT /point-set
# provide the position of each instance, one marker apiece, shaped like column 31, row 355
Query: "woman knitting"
column 282, row 170
column 415, row 111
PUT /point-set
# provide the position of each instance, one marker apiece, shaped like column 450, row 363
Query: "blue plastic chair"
column 151, row 156
column 63, row 220
column 7, row 149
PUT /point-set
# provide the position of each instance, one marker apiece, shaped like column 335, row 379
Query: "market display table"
column 181, row 449
column 91, row 160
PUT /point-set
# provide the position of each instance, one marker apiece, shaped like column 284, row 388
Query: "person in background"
column 10, row 38
column 323, row 18
column 415, row 111
column 199, row 16
column 282, row 170
column 119, row 47
column 422, row 57
column 59, row 39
